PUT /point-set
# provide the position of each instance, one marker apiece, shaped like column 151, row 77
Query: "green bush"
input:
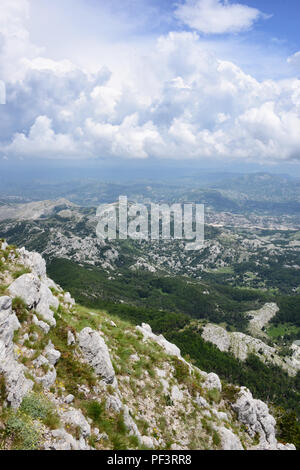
column 20, row 308
column 20, row 272
column 2, row 389
column 216, row 439
column 182, row 371
column 21, row 430
column 94, row 409
column 230, row 392
column 288, row 428
column 38, row 407
column 214, row 395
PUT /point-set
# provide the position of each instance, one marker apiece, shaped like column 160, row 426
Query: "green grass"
column 20, row 309
column 20, row 272
column 111, row 424
column 283, row 329
column 21, row 431
column 39, row 407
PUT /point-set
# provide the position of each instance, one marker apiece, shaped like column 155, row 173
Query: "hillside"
column 77, row 378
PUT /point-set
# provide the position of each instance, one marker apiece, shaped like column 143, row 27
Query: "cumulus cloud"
column 217, row 16
column 15, row 44
column 42, row 141
column 196, row 106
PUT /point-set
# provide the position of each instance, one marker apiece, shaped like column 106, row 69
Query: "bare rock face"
column 261, row 317
column 52, row 354
column 114, row 403
column 59, row 439
column 212, row 382
column 96, row 354
column 241, row 345
column 255, row 415
column 75, row 418
column 169, row 348
column 33, row 261
column 36, row 295
column 28, row 288
column 130, row 424
column 44, row 326
column 71, row 338
column 17, row 386
column 47, row 300
column 46, row 379
column 68, row 299
column 229, row 440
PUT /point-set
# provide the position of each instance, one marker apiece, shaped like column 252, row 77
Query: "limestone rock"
column 176, row 393
column 241, row 345
column 27, row 287
column 36, row 295
column 69, row 399
column 61, row 440
column 17, row 385
column 44, row 326
column 71, row 338
column 75, row 418
column 169, row 348
column 47, row 300
column 48, row 378
column 52, row 354
column 96, row 354
column 212, row 382
column 130, row 424
column 68, row 299
column 201, row 402
column 148, row 442
column 114, row 403
column 255, row 415
column 33, row 261
column 229, row 441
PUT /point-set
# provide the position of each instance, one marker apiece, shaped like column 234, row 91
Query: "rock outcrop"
column 169, row 348
column 242, row 345
column 255, row 415
column 17, row 385
column 96, row 354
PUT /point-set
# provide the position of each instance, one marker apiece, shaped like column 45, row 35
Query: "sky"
column 187, row 80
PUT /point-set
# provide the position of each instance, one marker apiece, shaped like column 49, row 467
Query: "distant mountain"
column 261, row 187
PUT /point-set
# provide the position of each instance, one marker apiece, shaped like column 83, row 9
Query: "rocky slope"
column 74, row 378
column 242, row 345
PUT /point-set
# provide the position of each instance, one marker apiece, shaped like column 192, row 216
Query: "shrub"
column 2, row 389
column 216, row 439
column 288, row 428
column 20, row 309
column 214, row 395
column 22, row 431
column 38, row 407
column 230, row 392
column 20, row 272
column 94, row 409
column 181, row 370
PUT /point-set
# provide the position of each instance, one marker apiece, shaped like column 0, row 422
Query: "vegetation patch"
column 38, row 407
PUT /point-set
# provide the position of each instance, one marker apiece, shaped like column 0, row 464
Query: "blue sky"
column 196, row 80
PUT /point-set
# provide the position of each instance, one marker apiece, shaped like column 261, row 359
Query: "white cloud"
column 180, row 101
column 217, row 16
column 42, row 142
column 15, row 44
